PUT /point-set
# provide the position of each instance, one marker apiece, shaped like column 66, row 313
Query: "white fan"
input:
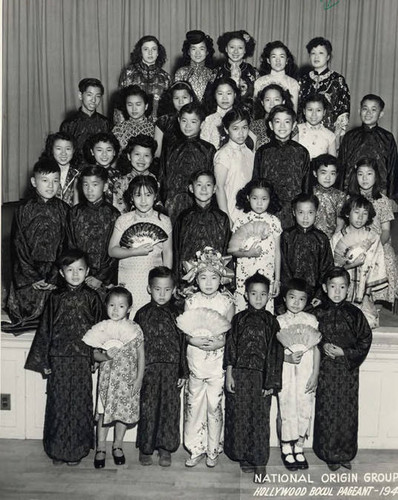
column 202, row 322
column 251, row 233
column 299, row 337
column 109, row 333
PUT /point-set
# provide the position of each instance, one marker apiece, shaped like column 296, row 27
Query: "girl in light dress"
column 136, row 262
column 136, row 111
column 233, row 163
column 120, row 374
column 204, row 414
column 277, row 66
column 224, row 94
column 357, row 247
column 259, row 203
column 366, row 181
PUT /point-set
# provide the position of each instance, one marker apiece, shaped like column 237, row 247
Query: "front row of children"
column 141, row 380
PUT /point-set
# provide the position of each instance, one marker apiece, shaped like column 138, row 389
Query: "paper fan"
column 350, row 247
column 248, row 235
column 109, row 333
column 142, row 233
column 202, row 322
column 299, row 337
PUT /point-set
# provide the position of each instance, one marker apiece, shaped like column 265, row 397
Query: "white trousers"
column 204, row 416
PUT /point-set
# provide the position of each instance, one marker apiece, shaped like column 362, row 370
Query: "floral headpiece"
column 211, row 260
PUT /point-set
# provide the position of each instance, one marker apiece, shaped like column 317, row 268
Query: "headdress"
column 208, row 259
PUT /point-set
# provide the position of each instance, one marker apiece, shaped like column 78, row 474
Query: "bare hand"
column 230, row 384
column 315, row 302
column 93, row 282
column 336, row 351
column 267, row 392
column 312, row 383
column 137, row 386
column 181, row 382
column 327, row 348
column 47, row 371
column 254, row 251
column 359, row 261
column 276, row 288
column 296, row 357
column 43, row 285
column 143, row 250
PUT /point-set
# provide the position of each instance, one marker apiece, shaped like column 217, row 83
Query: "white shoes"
column 191, row 462
column 211, row 462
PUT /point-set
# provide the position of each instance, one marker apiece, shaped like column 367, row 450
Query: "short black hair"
column 94, row 171
column 281, row 109
column 257, row 278
column 46, row 166
column 236, row 113
column 373, row 97
column 319, row 40
column 208, row 173
column 337, row 272
column 358, row 201
column 160, row 272
column 305, row 198
column 106, row 137
column 193, row 107
column 296, row 284
column 119, row 290
column 316, row 98
column 323, row 161
column 90, row 82
column 145, row 141
column 70, row 256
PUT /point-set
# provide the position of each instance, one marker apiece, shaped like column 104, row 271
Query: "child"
column 277, row 67
column 299, row 375
column 136, row 159
column 165, row 371
column 283, row 162
column 331, row 200
column 305, row 250
column 38, row 238
column 202, row 225
column 233, row 163
column 184, row 157
column 167, row 128
column 204, row 391
column 90, row 226
column 345, row 343
column 61, row 148
column 259, row 203
column 197, row 53
column 367, row 182
column 60, row 355
column 358, row 249
column 253, row 360
column 87, row 121
column 270, row 96
column 372, row 141
column 313, row 134
column 236, row 47
column 138, row 258
column 136, row 110
column 324, row 81
column 225, row 94
column 145, row 70
column 103, row 149
column 120, row 373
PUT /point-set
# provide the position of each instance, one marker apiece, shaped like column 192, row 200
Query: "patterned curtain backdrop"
column 49, row 45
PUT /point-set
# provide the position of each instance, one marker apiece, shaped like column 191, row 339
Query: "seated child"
column 184, row 157
column 136, row 159
column 202, row 225
column 283, row 162
column 204, row 417
column 312, row 134
column 60, row 355
column 299, row 375
column 90, row 226
column 233, row 163
column 346, row 340
column 331, row 200
column 371, row 141
column 120, row 373
column 305, row 250
column 324, row 81
column 137, row 111
column 87, row 121
column 61, row 148
column 38, row 238
column 253, row 360
column 165, row 371
column 357, row 247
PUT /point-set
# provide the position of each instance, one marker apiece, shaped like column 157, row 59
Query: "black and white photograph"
column 199, row 249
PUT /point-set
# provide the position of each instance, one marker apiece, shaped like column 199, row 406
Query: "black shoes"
column 118, row 459
column 99, row 463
